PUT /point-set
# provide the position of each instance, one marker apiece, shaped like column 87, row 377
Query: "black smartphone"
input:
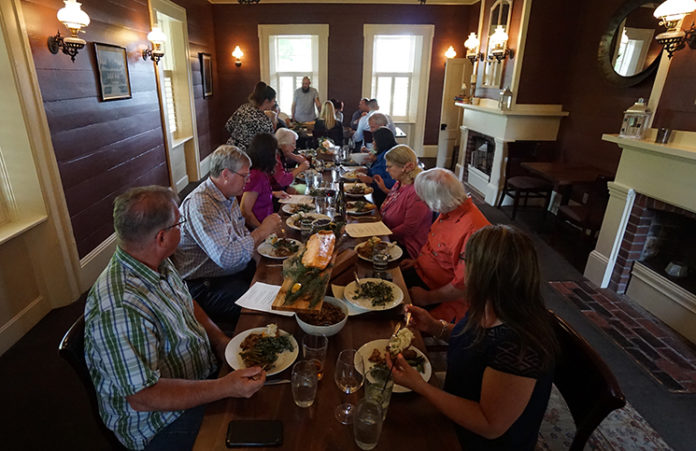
column 247, row 433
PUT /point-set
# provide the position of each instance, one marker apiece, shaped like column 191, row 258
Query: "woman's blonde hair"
column 401, row 155
column 328, row 115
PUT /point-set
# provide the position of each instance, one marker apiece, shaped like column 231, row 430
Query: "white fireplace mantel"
column 522, row 123
column 666, row 172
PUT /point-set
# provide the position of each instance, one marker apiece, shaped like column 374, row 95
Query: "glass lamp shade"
column 237, row 52
column 674, row 10
column 156, row 36
column 450, row 53
column 472, row 43
column 72, row 16
column 500, row 37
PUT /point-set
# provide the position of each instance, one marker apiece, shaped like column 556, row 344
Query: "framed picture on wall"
column 112, row 67
column 206, row 74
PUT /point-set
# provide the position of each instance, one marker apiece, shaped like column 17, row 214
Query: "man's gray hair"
column 378, row 119
column 227, row 157
column 440, row 190
column 141, row 212
column 285, row 136
column 372, row 103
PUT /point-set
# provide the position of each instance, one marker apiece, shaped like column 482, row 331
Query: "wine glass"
column 349, row 378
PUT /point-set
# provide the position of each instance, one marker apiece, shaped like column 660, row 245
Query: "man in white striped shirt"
column 216, row 249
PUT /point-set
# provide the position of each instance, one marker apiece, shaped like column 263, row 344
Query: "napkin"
column 297, row 199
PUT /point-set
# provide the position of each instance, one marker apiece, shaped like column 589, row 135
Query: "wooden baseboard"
column 22, row 322
column 92, row 264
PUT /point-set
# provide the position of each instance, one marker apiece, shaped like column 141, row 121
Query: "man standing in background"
column 304, row 102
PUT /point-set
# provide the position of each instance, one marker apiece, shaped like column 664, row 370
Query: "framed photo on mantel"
column 112, row 67
column 206, row 74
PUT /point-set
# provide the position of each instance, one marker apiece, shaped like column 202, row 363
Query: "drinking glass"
column 321, row 204
column 349, row 379
column 380, row 257
column 306, row 227
column 367, row 426
column 314, row 350
column 304, row 383
column 378, row 387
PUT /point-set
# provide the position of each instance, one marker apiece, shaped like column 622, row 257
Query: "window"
column 396, row 72
column 291, row 52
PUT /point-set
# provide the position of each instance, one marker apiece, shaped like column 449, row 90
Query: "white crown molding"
column 364, row 2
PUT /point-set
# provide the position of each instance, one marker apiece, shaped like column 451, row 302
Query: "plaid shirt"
column 214, row 240
column 140, row 327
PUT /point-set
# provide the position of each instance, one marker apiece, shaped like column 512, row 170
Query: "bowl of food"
column 327, row 321
column 359, row 157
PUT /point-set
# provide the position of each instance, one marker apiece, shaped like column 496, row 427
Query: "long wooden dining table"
column 411, row 422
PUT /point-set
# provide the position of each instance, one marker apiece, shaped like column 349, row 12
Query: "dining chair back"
column 72, row 349
column 520, row 185
column 588, row 216
column 586, row 383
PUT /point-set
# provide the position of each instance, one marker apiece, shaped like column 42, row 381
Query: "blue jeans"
column 181, row 434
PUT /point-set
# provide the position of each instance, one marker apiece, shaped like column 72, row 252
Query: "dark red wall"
column 103, row 148
column 677, row 108
column 237, row 25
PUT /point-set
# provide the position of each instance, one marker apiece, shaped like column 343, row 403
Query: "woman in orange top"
column 437, row 277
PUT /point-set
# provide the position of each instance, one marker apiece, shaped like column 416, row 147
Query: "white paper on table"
column 365, row 229
column 297, row 199
column 260, row 297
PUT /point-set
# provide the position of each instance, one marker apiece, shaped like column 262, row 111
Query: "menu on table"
column 297, row 199
column 367, row 229
column 259, row 297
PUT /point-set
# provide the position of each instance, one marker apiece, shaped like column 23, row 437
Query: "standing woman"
column 500, row 358
column 257, row 200
column 327, row 125
column 408, row 217
column 250, row 118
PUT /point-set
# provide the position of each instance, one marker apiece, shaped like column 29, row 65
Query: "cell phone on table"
column 248, row 433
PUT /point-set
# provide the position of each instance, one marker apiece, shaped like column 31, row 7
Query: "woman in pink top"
column 287, row 140
column 403, row 211
column 257, row 200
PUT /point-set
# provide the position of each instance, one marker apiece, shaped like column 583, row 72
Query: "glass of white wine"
column 349, row 378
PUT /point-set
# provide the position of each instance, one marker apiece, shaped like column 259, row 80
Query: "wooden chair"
column 587, row 216
column 586, row 383
column 72, row 349
column 519, row 184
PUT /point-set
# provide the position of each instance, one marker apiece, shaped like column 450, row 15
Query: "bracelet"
column 443, row 331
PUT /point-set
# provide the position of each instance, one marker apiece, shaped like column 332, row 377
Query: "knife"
column 277, row 382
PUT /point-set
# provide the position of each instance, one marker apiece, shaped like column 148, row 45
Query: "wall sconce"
column 671, row 14
column 74, row 19
column 238, row 54
column 157, row 37
column 499, row 42
column 472, row 48
column 450, row 53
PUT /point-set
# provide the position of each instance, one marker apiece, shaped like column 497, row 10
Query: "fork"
column 357, row 279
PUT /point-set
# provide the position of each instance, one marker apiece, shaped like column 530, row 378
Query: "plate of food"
column 271, row 348
column 357, row 189
column 294, row 221
column 374, row 294
column 373, row 354
column 360, row 207
column 351, row 175
column 278, row 248
column 291, row 209
column 364, row 249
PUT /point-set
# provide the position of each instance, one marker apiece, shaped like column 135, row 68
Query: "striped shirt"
column 140, row 327
column 214, row 240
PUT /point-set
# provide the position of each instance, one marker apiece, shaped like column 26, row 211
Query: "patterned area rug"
column 622, row 430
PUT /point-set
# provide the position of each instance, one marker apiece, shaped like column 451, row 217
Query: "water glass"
column 367, row 425
column 321, row 204
column 380, row 257
column 306, row 227
column 378, row 387
column 304, row 383
column 314, row 350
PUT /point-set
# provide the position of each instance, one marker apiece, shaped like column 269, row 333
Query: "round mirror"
column 628, row 52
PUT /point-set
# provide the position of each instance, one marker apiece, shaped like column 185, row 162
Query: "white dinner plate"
column 294, row 221
column 290, row 208
column 348, row 186
column 267, row 250
column 285, row 358
column 354, row 211
column 366, row 303
column 395, row 252
column 366, row 350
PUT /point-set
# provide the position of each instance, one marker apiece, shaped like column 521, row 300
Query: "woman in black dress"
column 501, row 354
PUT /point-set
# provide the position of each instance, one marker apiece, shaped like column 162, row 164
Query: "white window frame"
column 319, row 30
column 418, row 103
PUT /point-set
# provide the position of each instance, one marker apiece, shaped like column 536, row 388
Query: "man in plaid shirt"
column 214, row 256
column 150, row 349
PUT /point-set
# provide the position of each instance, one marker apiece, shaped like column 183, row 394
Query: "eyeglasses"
column 244, row 176
column 181, row 221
